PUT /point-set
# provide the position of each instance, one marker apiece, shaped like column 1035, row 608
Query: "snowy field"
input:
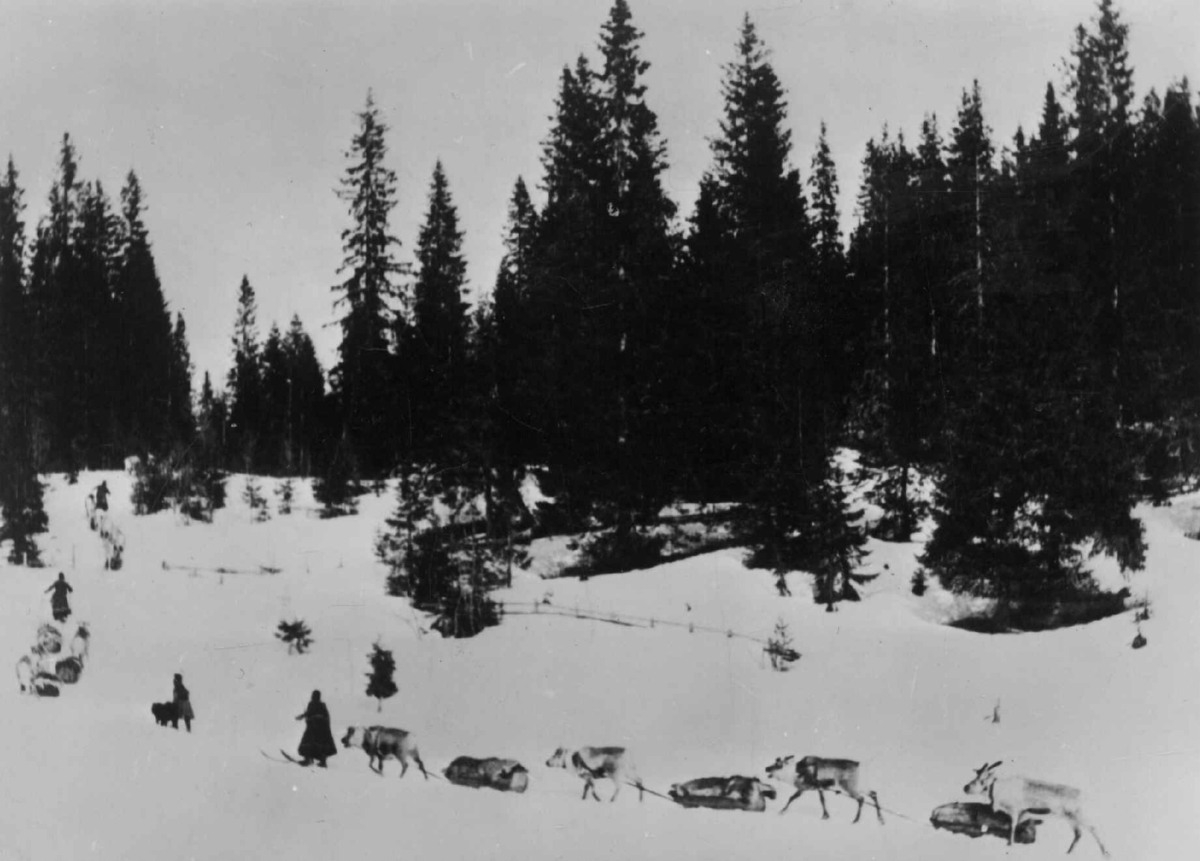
column 89, row 775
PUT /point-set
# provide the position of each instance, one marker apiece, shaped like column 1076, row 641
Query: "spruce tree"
column 436, row 352
column 182, row 417
column 244, row 383
column 516, row 356
column 275, row 373
column 57, row 322
column 145, row 331
column 365, row 377
column 22, row 514
column 306, row 415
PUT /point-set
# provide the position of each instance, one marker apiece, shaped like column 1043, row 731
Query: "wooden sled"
column 975, row 820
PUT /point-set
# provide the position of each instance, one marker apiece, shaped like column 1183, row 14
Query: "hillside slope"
column 89, row 775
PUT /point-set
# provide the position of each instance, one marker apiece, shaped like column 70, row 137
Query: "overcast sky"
column 236, row 115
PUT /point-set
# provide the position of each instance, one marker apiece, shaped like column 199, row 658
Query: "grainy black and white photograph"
column 600, row 430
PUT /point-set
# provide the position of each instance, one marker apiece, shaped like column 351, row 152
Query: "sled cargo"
column 505, row 775
column 975, row 820
column 723, row 793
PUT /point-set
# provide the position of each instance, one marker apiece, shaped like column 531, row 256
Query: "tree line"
column 1019, row 322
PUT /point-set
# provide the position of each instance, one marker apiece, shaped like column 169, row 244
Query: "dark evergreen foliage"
column 365, row 378
column 434, row 353
column 22, row 514
column 380, row 682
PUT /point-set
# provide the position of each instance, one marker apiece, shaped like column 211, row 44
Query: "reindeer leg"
column 875, row 800
column 403, row 766
column 799, row 792
column 1103, row 851
column 858, row 815
column 617, row 784
column 421, row 765
column 1078, row 833
column 824, row 809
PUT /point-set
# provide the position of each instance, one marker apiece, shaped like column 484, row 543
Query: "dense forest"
column 1018, row 320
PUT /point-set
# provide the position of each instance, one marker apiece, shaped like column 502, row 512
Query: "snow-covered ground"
column 89, row 775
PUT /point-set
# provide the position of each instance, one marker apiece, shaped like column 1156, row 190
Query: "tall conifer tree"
column 365, row 376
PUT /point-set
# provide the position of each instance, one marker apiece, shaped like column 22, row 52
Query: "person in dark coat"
column 59, row 605
column 102, row 496
column 183, row 704
column 317, row 742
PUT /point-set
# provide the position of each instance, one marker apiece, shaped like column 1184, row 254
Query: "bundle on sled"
column 975, row 820
column 68, row 670
column 724, row 793
column 49, row 640
column 506, row 775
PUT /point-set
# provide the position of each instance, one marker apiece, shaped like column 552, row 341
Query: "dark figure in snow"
column 102, row 496
column 782, row 586
column 183, row 705
column 317, row 742
column 58, row 601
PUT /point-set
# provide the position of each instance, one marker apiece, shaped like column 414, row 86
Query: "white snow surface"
column 89, row 775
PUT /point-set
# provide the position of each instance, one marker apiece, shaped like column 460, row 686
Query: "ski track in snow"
column 89, row 775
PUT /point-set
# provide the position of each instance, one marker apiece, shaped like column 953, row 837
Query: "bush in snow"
column 919, row 582
column 779, row 647
column 253, row 497
column 620, row 550
column 284, row 492
column 296, row 634
column 335, row 488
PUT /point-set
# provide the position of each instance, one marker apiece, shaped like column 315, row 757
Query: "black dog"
column 165, row 713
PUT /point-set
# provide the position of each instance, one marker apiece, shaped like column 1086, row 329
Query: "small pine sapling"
column 380, row 683
column 284, row 492
column 918, row 582
column 779, row 647
column 252, row 496
column 296, row 634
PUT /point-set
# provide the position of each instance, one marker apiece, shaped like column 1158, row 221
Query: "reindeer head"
column 352, row 737
column 779, row 765
column 985, row 776
column 559, row 760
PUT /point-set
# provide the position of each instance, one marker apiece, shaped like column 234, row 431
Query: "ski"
column 286, row 758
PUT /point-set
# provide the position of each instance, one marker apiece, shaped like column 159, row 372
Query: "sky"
column 237, row 116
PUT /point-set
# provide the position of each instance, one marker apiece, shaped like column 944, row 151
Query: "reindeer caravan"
column 101, row 521
column 46, row 667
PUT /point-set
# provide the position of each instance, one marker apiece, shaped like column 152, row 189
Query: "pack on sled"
column 506, row 775
column 724, row 793
column 49, row 640
column 975, row 820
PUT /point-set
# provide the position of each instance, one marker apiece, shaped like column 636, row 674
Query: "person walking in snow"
column 183, row 704
column 59, row 605
column 317, row 742
column 102, row 496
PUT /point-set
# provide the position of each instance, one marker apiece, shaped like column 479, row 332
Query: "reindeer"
column 380, row 742
column 81, row 643
column 1017, row 796
column 26, row 675
column 592, row 763
column 815, row 772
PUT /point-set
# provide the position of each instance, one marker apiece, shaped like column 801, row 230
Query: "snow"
column 89, row 775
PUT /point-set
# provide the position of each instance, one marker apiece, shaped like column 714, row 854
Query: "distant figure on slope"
column 102, row 496
column 317, row 742
column 183, row 704
column 58, row 601
column 782, row 586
